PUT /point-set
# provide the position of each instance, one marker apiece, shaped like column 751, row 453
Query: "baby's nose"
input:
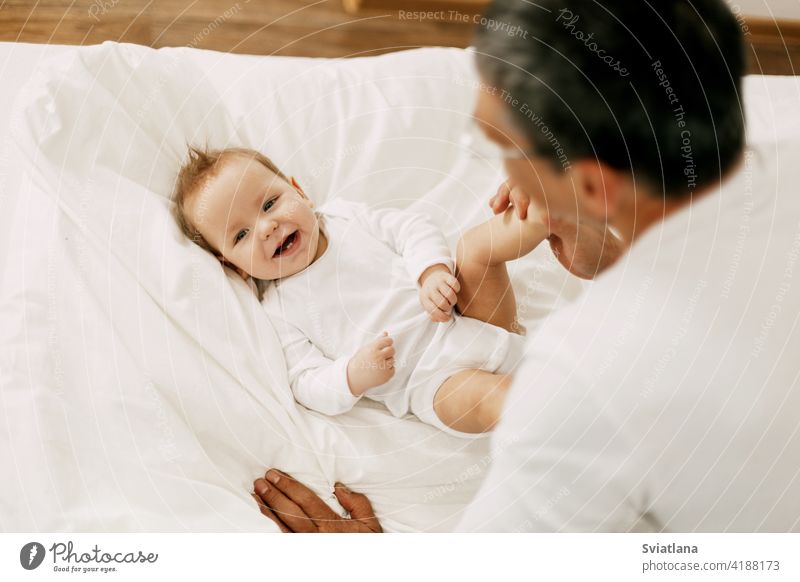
column 266, row 228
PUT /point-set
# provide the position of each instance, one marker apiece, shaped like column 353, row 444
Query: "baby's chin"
column 282, row 268
column 282, row 272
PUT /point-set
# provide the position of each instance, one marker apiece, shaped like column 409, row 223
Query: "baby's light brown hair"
column 202, row 165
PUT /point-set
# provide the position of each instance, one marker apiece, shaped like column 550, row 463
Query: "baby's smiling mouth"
column 286, row 245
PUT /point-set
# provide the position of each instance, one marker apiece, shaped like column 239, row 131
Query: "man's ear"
column 598, row 187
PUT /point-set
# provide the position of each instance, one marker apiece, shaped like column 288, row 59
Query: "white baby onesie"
column 365, row 283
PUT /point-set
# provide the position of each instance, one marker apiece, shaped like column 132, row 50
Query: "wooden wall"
column 304, row 27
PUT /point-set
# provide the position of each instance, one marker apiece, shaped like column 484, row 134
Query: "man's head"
column 239, row 206
column 620, row 104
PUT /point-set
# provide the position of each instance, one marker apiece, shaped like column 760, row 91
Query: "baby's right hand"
column 372, row 365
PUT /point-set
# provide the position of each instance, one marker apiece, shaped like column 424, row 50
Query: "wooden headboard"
column 773, row 44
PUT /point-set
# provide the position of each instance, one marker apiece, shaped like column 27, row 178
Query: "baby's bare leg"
column 471, row 400
column 481, row 257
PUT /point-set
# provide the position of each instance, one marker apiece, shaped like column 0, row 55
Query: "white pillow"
column 144, row 387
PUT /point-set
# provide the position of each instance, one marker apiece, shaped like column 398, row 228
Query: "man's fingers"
column 265, row 511
column 284, row 508
column 311, row 505
column 359, row 507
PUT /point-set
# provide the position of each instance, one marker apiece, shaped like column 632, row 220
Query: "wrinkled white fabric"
column 142, row 387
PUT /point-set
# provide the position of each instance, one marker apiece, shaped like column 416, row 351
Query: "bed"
column 143, row 387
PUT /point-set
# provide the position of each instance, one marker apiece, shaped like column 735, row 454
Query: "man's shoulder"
column 590, row 344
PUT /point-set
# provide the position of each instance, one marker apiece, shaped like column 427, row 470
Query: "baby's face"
column 260, row 224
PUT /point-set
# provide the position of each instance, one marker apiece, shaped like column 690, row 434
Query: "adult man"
column 665, row 398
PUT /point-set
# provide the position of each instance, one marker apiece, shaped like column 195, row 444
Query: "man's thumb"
column 357, row 505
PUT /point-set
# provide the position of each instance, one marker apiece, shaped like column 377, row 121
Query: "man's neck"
column 646, row 209
column 649, row 211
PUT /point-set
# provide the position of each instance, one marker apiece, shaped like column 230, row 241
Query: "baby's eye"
column 268, row 204
column 239, row 236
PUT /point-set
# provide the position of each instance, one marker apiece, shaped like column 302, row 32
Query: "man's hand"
column 372, row 365
column 438, row 288
column 295, row 508
column 510, row 195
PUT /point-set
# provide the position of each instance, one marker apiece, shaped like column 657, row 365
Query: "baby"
column 366, row 302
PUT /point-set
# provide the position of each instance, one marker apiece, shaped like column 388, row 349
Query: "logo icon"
column 31, row 555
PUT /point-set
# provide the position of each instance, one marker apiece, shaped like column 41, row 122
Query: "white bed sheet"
column 142, row 387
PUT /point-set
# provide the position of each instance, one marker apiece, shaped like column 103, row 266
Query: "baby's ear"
column 297, row 186
column 241, row 272
column 226, row 263
column 300, row 190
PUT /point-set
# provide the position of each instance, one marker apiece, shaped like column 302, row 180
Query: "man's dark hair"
column 649, row 86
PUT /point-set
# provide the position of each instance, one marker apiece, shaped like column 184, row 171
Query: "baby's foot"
column 503, row 238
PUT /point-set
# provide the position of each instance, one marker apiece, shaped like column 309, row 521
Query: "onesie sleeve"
column 412, row 235
column 317, row 382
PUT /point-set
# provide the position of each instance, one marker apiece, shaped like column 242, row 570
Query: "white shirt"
column 364, row 283
column 668, row 397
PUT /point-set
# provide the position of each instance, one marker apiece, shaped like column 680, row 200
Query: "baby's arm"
column 332, row 386
column 411, row 235
column 425, row 251
column 317, row 382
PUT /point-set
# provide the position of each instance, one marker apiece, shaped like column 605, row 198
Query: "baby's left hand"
column 438, row 288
